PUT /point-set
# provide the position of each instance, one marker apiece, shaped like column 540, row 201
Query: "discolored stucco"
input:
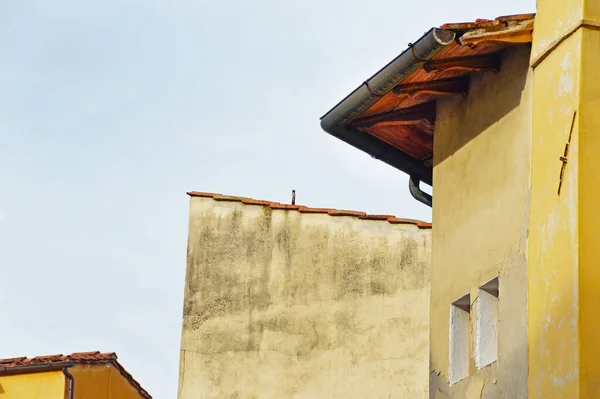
column 482, row 167
column 282, row 304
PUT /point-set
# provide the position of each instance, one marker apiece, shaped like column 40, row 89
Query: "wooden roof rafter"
column 477, row 63
column 441, row 87
column 401, row 117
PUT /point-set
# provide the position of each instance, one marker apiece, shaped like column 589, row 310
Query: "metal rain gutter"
column 35, row 368
column 40, row 368
column 336, row 122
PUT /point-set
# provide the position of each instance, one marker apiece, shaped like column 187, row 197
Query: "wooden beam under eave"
column 442, row 87
column 478, row 63
column 405, row 116
column 397, row 123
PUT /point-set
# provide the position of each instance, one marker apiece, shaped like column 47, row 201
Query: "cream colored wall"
column 481, row 180
column 280, row 304
column 47, row 385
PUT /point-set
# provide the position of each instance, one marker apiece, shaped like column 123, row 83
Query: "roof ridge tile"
column 277, row 205
column 341, row 212
column 306, row 209
column 487, row 23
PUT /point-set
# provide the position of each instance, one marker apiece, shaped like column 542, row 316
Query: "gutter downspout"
column 417, row 193
column 337, row 121
column 71, row 379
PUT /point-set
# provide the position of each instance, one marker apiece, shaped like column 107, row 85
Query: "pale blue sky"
column 111, row 110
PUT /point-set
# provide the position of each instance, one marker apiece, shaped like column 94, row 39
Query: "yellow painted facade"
column 92, row 381
column 563, row 247
column 516, row 196
column 482, row 163
column 47, row 385
column 101, row 381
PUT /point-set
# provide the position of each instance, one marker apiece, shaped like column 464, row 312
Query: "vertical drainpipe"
column 417, row 193
column 69, row 377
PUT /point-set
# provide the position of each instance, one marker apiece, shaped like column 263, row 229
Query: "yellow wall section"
column 553, row 19
column 564, row 275
column 48, row 385
column 101, row 381
column 589, row 212
column 481, row 175
column 553, row 276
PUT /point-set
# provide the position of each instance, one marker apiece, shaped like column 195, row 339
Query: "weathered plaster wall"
column 282, row 304
column 482, row 156
column 48, row 385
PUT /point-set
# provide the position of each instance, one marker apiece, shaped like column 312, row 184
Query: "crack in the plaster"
column 182, row 379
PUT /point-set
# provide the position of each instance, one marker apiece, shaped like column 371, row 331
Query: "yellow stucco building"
column 88, row 375
column 499, row 116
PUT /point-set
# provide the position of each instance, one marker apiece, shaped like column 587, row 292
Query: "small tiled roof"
column 306, row 209
column 17, row 364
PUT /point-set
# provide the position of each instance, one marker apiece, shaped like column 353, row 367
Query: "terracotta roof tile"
column 395, row 220
column 516, row 17
column 486, row 23
column 12, row 360
column 276, row 205
column 346, row 213
column 250, row 201
column 219, row 197
column 201, row 194
column 377, row 217
column 14, row 364
column 306, row 209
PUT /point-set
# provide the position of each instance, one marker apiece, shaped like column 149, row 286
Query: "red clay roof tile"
column 486, row 23
column 13, row 360
column 219, row 197
column 395, row 220
column 377, row 217
column 201, row 194
column 250, row 201
column 277, row 205
column 336, row 212
column 306, row 209
column 516, row 17
column 14, row 364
